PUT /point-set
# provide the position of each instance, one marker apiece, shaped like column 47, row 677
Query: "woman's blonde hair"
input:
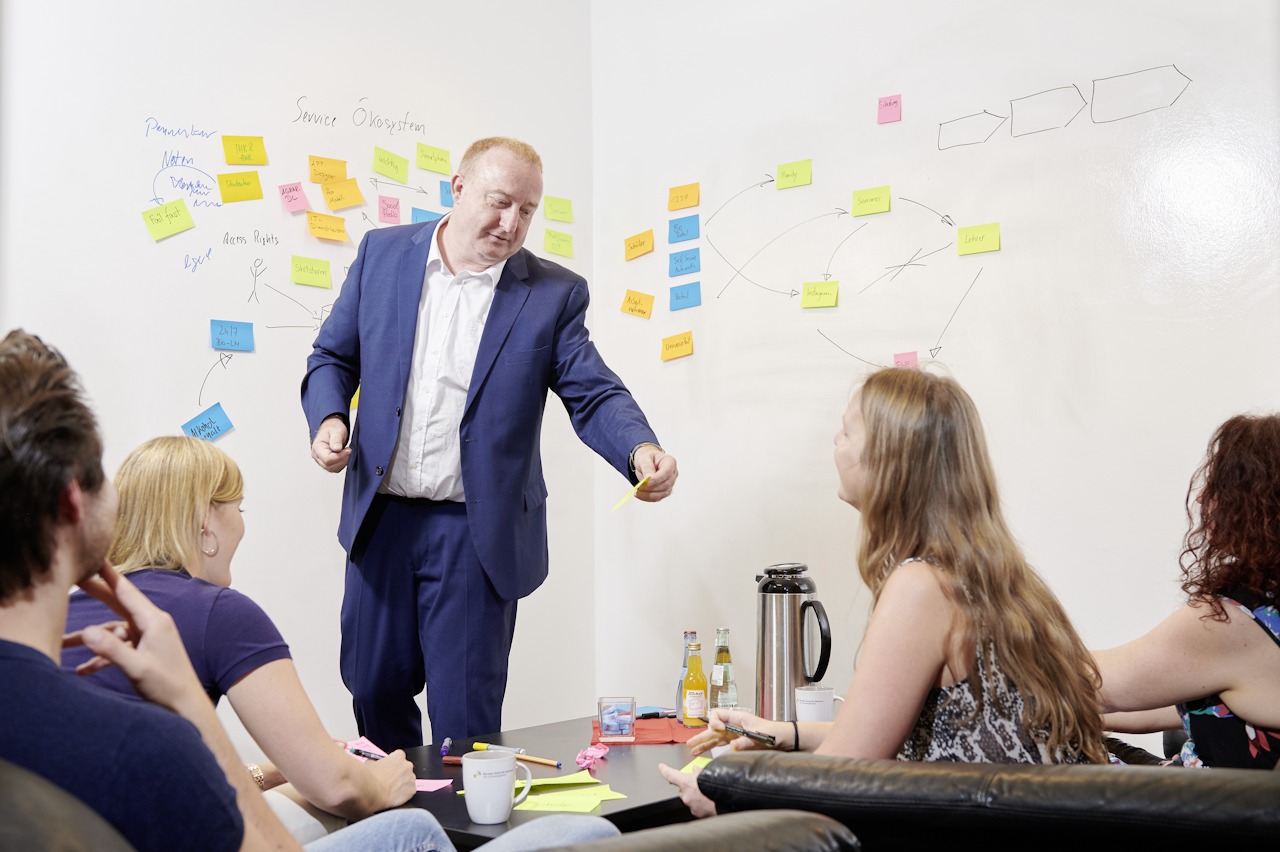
column 166, row 486
column 931, row 494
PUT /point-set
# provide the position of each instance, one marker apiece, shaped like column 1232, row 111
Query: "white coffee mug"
column 489, row 779
column 816, row 703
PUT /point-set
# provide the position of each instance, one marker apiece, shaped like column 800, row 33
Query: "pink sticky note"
column 906, row 359
column 388, row 209
column 427, row 785
column 890, row 109
column 293, row 198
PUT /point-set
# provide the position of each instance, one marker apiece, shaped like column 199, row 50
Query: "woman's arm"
column 1142, row 721
column 276, row 711
column 902, row 656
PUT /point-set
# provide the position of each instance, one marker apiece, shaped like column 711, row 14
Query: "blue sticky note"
column 686, row 296
column 446, row 193
column 210, row 424
column 679, row 230
column 225, row 334
column 420, row 215
column 684, row 262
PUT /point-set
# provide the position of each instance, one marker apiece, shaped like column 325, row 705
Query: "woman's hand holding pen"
column 716, row 735
column 395, row 773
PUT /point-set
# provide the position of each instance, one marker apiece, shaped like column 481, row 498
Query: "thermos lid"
column 787, row 578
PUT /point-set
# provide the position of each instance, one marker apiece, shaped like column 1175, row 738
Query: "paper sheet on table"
column 422, row 785
column 583, row 800
column 628, row 495
column 696, row 763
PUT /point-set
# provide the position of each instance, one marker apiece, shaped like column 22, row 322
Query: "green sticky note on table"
column 868, row 201
column 977, row 239
column 799, row 173
column 310, row 271
column 557, row 209
column 820, row 294
column 168, row 219
column 434, row 159
column 556, row 242
column 391, row 165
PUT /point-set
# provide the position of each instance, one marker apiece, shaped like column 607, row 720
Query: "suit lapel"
column 508, row 299
column 411, row 277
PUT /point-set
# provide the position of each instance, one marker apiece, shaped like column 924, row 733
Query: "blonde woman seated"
column 1218, row 657
column 967, row 656
column 179, row 525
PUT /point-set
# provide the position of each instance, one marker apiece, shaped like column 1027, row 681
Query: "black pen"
column 763, row 739
column 359, row 752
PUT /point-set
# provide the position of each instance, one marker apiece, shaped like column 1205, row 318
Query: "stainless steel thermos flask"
column 783, row 649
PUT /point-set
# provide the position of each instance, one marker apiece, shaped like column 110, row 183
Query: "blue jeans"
column 416, row 830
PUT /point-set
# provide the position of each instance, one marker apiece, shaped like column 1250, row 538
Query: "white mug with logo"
column 816, row 703
column 489, row 779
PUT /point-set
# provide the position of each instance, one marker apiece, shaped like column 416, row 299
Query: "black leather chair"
column 38, row 815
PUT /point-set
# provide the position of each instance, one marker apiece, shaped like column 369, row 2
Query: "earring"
column 208, row 551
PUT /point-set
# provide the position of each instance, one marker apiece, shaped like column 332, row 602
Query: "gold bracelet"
column 256, row 771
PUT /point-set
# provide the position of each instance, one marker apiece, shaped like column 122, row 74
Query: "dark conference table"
column 628, row 769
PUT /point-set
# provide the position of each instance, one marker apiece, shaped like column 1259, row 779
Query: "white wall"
column 1133, row 307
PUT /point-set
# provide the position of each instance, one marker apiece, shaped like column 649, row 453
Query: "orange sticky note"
column 639, row 244
column 341, row 194
column 327, row 227
column 637, row 304
column 239, row 186
column 327, row 169
column 680, row 197
column 677, row 346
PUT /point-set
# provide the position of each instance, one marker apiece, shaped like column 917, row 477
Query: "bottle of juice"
column 695, row 689
column 724, row 689
column 678, row 707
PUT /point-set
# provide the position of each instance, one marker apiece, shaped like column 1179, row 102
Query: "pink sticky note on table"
column 890, row 109
column 910, row 360
column 428, row 785
column 293, row 198
column 388, row 209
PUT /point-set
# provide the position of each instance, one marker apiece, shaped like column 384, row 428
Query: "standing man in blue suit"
column 454, row 334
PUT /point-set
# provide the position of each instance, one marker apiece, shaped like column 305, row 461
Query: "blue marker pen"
column 444, row 746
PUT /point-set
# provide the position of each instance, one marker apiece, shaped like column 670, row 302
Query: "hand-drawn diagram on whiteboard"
column 1113, row 99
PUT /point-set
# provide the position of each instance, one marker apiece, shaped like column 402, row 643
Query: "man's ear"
column 71, row 503
column 456, row 186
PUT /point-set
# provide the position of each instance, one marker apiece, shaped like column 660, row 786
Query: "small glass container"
column 617, row 716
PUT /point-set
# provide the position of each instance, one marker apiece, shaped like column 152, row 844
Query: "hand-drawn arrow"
column 946, row 220
column 937, row 346
column 766, row 182
column 826, row 276
column 737, row 271
column 224, row 358
column 318, row 316
column 847, row 352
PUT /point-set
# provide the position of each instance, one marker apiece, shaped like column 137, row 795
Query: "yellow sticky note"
column 677, row 346
column 434, row 159
column 310, row 271
column 639, row 244
column 680, row 197
column 239, row 186
column 799, row 173
column 628, row 495
column 355, row 399
column 555, row 242
column 244, row 150
column 392, row 165
column 696, row 763
column 556, row 802
column 637, row 304
column 342, row 193
column 867, row 201
column 557, row 209
column 977, row 239
column 820, row 294
column 327, row 169
column 327, row 227
column 168, row 219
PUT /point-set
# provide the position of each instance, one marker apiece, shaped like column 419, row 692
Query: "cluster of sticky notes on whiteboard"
column 555, row 241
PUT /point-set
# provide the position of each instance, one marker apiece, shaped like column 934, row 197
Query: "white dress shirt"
column 427, row 460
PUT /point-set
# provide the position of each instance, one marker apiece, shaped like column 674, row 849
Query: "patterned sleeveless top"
column 1215, row 735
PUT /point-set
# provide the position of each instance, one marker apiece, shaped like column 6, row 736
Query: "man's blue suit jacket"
column 535, row 340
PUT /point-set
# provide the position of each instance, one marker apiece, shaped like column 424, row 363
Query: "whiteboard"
column 1132, row 307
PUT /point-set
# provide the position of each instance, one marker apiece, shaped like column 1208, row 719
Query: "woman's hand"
column 395, row 773
column 687, row 782
column 715, row 735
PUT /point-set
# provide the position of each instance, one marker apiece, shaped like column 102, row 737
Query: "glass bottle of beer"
column 678, row 707
column 724, row 689
column 695, row 689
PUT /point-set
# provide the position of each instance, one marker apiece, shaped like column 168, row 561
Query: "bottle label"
column 695, row 703
column 717, row 675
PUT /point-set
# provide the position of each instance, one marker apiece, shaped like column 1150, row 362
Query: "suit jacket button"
column 378, row 470
column 397, row 411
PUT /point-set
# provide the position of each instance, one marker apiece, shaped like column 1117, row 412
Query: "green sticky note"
column 820, row 294
column 434, row 159
column 168, row 219
column 556, row 242
column 392, row 165
column 799, row 173
column 557, row 209
column 310, row 271
column 696, row 763
column 867, row 201
column 977, row 239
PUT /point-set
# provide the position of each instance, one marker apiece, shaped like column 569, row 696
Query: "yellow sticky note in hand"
column 628, row 495
column 434, row 159
column 556, row 242
column 557, row 209
column 327, row 169
column 390, row 165
column 239, row 186
column 327, row 227
column 168, row 219
column 638, row 244
column 677, row 346
column 696, row 763
column 820, row 294
column 799, row 173
column 868, row 201
column 244, row 150
column 680, row 197
column 978, row 239
column 637, row 304
column 342, row 193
